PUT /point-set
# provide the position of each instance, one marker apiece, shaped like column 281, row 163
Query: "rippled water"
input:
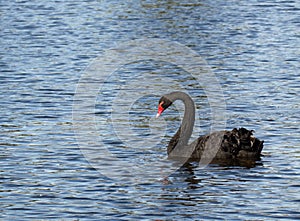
column 251, row 46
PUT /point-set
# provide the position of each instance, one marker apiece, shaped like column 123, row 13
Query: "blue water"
column 252, row 47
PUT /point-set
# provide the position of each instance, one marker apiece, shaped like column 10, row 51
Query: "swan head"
column 163, row 104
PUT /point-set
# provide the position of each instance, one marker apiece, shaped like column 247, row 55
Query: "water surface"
column 252, row 48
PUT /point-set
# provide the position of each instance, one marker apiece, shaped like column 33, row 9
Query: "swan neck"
column 188, row 120
column 185, row 131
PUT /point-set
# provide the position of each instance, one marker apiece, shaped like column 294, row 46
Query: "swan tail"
column 241, row 143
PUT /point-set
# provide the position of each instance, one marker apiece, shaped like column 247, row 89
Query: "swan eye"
column 164, row 103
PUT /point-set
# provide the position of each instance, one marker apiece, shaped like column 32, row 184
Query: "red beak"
column 160, row 110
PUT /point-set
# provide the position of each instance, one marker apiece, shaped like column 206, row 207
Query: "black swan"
column 222, row 145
